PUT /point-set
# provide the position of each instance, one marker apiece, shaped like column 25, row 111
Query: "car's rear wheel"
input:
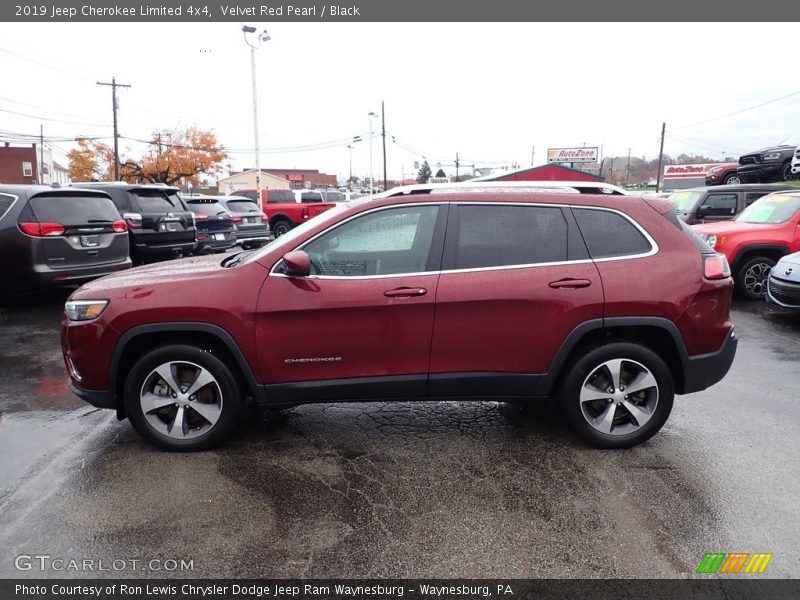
column 751, row 281
column 281, row 227
column 182, row 398
column 732, row 179
column 618, row 395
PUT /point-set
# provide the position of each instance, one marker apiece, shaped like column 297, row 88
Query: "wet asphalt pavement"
column 403, row 489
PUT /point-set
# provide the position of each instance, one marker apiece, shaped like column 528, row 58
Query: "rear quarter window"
column 69, row 210
column 608, row 234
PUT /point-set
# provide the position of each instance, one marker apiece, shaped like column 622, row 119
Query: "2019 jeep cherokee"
column 608, row 302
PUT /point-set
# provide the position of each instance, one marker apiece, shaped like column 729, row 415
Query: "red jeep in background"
column 753, row 242
column 723, row 174
column 282, row 208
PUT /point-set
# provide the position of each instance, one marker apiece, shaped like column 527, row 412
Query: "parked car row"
column 765, row 233
column 67, row 236
column 773, row 164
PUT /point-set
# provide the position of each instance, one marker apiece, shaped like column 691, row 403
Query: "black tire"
column 786, row 171
column 221, row 397
column 280, row 227
column 653, row 403
column 751, row 279
column 732, row 179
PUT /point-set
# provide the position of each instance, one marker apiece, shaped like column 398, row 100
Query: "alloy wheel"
column 755, row 278
column 181, row 400
column 619, row 396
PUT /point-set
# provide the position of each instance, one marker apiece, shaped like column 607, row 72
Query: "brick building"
column 19, row 164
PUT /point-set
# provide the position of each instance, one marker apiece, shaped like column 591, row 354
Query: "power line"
column 738, row 111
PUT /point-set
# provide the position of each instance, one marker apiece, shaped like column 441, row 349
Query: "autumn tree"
column 176, row 157
column 91, row 161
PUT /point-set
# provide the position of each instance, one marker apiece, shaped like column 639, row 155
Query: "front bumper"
column 704, row 370
column 783, row 293
column 98, row 398
column 759, row 173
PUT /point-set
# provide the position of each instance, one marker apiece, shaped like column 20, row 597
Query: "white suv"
column 796, row 163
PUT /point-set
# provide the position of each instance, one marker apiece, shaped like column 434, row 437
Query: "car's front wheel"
column 751, row 281
column 182, row 398
column 618, row 395
column 786, row 171
column 732, row 179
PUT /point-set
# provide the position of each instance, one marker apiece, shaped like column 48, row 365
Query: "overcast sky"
column 490, row 92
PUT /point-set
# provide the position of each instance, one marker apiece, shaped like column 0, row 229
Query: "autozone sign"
column 572, row 155
column 686, row 171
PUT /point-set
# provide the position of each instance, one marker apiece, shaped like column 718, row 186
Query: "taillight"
column 133, row 220
column 715, row 266
column 119, row 226
column 200, row 216
column 236, row 218
column 305, row 213
column 264, row 218
column 42, row 229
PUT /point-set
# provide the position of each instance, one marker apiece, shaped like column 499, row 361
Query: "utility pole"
column 383, row 134
column 456, row 167
column 660, row 157
column 628, row 170
column 533, row 152
column 41, row 154
column 114, row 85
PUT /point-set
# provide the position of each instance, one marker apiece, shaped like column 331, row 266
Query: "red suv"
column 753, row 242
column 608, row 302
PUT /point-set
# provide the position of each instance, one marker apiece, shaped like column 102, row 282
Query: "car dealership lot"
column 402, row 489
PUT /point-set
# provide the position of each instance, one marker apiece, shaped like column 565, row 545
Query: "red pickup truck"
column 283, row 210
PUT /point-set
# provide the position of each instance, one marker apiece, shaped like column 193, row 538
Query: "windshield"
column 685, row 201
column 775, row 208
column 288, row 239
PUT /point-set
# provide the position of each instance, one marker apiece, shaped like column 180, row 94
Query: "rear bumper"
column 45, row 276
column 704, row 370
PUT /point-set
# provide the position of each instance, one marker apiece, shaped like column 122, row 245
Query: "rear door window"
column 496, row 236
column 73, row 210
column 608, row 234
column 277, row 196
column 311, row 197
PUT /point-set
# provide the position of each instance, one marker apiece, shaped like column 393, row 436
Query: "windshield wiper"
column 236, row 259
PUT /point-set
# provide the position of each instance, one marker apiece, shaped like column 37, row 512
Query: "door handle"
column 570, row 284
column 405, row 292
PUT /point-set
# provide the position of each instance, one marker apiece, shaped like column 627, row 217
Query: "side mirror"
column 297, row 263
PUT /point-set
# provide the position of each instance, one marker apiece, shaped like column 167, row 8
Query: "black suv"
column 53, row 236
column 215, row 229
column 252, row 227
column 159, row 222
column 769, row 164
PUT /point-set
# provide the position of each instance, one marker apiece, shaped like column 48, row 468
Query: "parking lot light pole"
column 262, row 37
column 371, row 175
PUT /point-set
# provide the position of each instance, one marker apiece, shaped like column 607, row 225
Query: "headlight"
column 772, row 156
column 711, row 239
column 84, row 310
column 715, row 170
